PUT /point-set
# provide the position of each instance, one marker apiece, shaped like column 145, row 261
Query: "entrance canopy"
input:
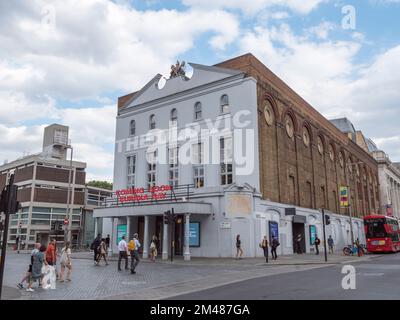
column 155, row 209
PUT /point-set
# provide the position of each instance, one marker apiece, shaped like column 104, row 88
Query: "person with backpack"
column 94, row 246
column 264, row 246
column 123, row 253
column 133, row 248
column 102, row 252
column 66, row 262
column 274, row 244
column 317, row 242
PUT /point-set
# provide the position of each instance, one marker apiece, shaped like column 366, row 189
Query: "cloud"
column 324, row 73
column 254, row 6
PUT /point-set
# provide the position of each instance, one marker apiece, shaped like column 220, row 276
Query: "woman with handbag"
column 66, row 262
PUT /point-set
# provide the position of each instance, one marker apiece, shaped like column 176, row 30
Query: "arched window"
column 132, row 128
column 174, row 116
column 197, row 111
column 152, row 122
column 224, row 104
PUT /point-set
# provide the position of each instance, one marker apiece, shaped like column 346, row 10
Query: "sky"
column 68, row 61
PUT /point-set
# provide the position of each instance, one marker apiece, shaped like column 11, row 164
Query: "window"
column 226, row 160
column 151, row 169
column 198, row 166
column 268, row 114
column 131, row 161
column 173, row 167
column 306, row 137
column 341, row 159
column 320, row 145
column 152, row 122
column 132, row 128
column 331, row 152
column 289, row 126
column 197, row 111
column 174, row 117
column 224, row 104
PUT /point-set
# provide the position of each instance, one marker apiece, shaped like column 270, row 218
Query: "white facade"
column 222, row 210
column 389, row 181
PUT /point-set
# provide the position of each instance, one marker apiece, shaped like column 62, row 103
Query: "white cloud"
column 322, row 30
column 254, row 6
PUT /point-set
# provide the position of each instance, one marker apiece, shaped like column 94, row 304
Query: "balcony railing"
column 180, row 193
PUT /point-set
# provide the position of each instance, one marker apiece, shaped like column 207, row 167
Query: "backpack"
column 131, row 245
column 317, row 241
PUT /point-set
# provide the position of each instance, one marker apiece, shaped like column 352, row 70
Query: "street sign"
column 344, row 196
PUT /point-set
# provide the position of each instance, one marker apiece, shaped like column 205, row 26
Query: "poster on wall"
column 313, row 232
column 121, row 231
column 273, row 230
column 194, row 234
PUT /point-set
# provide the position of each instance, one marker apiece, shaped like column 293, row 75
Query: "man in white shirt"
column 123, row 253
column 135, row 254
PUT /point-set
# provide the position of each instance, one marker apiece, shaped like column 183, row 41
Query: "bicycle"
column 349, row 250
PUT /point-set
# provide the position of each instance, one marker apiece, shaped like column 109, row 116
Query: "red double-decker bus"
column 382, row 233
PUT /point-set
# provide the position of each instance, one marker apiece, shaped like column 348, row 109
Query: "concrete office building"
column 278, row 162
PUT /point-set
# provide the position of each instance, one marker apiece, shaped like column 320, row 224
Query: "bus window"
column 375, row 228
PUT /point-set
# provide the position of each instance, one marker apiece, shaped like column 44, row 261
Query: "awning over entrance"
column 153, row 209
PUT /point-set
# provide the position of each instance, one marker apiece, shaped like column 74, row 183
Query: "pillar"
column 128, row 229
column 146, row 238
column 187, row 248
column 96, row 221
column 113, row 235
column 165, row 243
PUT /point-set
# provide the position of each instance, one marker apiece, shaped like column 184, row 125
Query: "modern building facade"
column 277, row 163
column 50, row 189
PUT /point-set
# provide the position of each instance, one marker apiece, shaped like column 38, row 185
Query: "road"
column 375, row 279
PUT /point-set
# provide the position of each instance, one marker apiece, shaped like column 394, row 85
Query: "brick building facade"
column 303, row 157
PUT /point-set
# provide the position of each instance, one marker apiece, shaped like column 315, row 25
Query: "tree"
column 100, row 184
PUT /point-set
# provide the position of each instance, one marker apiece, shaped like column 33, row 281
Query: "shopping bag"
column 50, row 278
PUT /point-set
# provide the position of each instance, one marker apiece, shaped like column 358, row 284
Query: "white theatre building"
column 204, row 166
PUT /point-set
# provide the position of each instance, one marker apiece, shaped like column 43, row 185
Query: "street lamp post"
column 67, row 233
column 350, row 204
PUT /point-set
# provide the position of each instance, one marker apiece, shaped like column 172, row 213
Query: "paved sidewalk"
column 160, row 279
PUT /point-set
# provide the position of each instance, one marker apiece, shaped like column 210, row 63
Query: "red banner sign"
column 141, row 194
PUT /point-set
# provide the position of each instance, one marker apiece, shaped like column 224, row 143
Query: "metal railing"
column 180, row 193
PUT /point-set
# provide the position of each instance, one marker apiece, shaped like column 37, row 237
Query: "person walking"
column 264, row 246
column 133, row 247
column 95, row 247
column 153, row 248
column 123, row 253
column 317, row 242
column 102, row 252
column 28, row 274
column 330, row 244
column 274, row 244
column 239, row 250
column 359, row 248
column 38, row 261
column 108, row 239
column 66, row 262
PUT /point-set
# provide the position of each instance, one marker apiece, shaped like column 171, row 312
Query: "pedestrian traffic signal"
column 327, row 220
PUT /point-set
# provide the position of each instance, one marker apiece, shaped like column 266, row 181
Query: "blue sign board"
column 273, row 230
column 121, row 231
column 194, row 234
column 313, row 233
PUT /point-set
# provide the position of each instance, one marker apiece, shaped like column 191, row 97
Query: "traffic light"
column 327, row 220
column 167, row 216
column 3, row 200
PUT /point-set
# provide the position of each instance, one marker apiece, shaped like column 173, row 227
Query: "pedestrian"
column 108, row 241
column 123, row 253
column 28, row 274
column 17, row 243
column 264, row 246
column 133, row 247
column 298, row 244
column 238, row 247
column 51, row 255
column 102, row 252
column 359, row 248
column 153, row 248
column 38, row 261
column 317, row 242
column 330, row 244
column 66, row 262
column 95, row 246
column 274, row 244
